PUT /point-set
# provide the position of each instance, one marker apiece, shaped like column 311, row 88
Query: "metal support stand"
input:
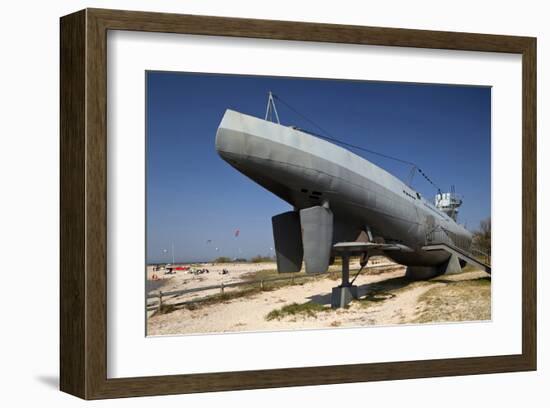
column 345, row 269
column 346, row 292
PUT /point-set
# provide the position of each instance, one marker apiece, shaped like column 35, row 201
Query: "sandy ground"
column 187, row 280
column 182, row 280
column 385, row 298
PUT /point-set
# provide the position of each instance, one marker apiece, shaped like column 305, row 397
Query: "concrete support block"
column 451, row 266
column 343, row 295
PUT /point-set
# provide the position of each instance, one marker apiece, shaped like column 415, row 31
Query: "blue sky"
column 193, row 196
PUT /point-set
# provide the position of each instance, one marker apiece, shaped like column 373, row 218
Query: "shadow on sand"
column 453, row 281
column 376, row 291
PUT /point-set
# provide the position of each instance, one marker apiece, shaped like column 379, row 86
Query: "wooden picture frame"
column 83, row 310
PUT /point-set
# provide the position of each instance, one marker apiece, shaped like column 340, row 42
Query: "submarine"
column 338, row 196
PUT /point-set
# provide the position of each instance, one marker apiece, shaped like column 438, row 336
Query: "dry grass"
column 222, row 297
column 388, row 289
column 467, row 300
column 309, row 309
column 246, row 291
column 164, row 309
column 262, row 274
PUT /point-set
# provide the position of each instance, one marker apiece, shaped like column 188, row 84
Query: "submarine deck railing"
column 460, row 253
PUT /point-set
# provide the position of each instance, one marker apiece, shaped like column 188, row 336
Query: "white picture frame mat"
column 132, row 354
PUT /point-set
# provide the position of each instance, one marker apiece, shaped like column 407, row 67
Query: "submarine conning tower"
column 448, row 202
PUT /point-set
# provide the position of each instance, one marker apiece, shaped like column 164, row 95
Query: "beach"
column 386, row 297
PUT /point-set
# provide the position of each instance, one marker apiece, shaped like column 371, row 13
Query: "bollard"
column 262, row 284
